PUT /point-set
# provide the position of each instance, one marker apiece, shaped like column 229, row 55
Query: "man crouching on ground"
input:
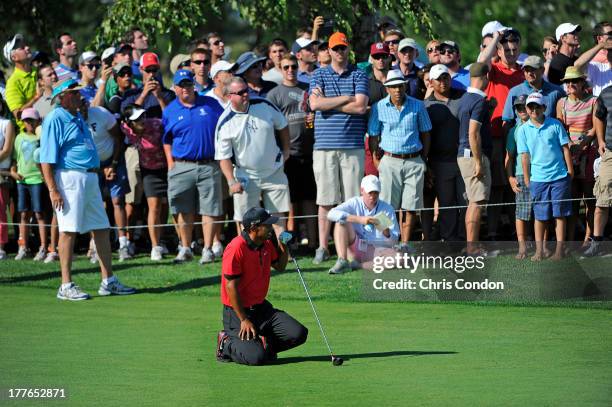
column 254, row 331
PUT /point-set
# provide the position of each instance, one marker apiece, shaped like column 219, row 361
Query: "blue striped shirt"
column 335, row 130
column 64, row 72
column 399, row 129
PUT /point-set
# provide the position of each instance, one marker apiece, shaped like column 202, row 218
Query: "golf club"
column 285, row 237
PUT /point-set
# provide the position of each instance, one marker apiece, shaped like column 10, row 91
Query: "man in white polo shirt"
column 247, row 132
column 70, row 163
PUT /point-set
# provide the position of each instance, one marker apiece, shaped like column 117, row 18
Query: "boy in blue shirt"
column 548, row 170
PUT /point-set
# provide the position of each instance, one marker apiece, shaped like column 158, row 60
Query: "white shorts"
column 272, row 190
column 83, row 206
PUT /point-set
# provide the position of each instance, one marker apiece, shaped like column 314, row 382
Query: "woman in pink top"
column 576, row 112
column 146, row 135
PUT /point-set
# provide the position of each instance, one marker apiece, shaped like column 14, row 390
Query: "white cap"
column 394, row 77
column 370, row 183
column 10, row 45
column 136, row 113
column 87, row 56
column 221, row 66
column 407, row 42
column 566, row 28
column 537, row 98
column 492, row 27
column 437, row 70
column 108, row 52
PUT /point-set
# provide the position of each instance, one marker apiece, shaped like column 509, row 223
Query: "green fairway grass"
column 157, row 347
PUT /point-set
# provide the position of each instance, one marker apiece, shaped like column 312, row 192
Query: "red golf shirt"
column 501, row 80
column 252, row 264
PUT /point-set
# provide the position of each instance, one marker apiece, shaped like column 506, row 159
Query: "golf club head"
column 337, row 361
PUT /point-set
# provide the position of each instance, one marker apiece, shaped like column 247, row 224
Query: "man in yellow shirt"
column 21, row 89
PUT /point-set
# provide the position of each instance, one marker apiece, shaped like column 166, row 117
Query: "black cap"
column 520, row 100
column 258, row 216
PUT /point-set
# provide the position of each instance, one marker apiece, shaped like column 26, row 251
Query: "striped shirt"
column 578, row 116
column 399, row 129
column 335, row 130
column 64, row 72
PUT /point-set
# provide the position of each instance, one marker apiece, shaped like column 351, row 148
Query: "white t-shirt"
column 6, row 163
column 249, row 137
column 100, row 122
column 600, row 76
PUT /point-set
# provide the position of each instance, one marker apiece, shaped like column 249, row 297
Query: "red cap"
column 336, row 39
column 147, row 59
column 379, row 48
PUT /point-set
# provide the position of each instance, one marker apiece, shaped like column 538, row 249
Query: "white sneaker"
column 72, row 293
column 40, row 256
column 3, row 255
column 22, row 253
column 51, row 257
column 217, row 249
column 184, row 254
column 207, row 256
column 124, row 253
column 114, row 287
column 157, row 253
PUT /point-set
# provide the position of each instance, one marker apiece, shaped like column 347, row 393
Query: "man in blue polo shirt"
column 475, row 146
column 194, row 177
column 533, row 69
column 339, row 96
column 70, row 163
column 402, row 125
column 548, row 171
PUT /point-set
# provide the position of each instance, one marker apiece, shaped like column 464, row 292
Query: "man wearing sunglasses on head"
column 503, row 76
column 339, row 96
column 152, row 96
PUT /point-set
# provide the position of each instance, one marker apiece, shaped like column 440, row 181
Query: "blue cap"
column 68, row 84
column 246, row 60
column 182, row 75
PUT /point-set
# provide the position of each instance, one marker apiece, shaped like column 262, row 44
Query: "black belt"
column 95, row 170
column 204, row 161
column 404, row 156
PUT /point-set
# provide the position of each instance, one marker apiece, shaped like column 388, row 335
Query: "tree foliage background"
column 171, row 24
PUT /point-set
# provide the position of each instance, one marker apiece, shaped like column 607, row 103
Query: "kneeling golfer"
column 254, row 331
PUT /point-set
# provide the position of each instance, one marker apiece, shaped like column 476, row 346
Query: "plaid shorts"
column 524, row 203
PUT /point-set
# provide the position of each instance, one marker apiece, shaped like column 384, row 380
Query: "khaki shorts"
column 272, row 190
column 603, row 183
column 338, row 174
column 476, row 190
column 402, row 181
column 132, row 163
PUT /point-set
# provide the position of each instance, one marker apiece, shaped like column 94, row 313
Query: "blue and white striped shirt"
column 399, row 129
column 335, row 130
column 64, row 72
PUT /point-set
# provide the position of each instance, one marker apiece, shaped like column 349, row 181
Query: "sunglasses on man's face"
column 449, row 51
column 93, row 66
column 287, row 67
column 201, row 61
column 380, row 56
column 242, row 92
column 392, row 42
column 432, row 49
column 217, row 42
column 340, row 48
column 151, row 70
